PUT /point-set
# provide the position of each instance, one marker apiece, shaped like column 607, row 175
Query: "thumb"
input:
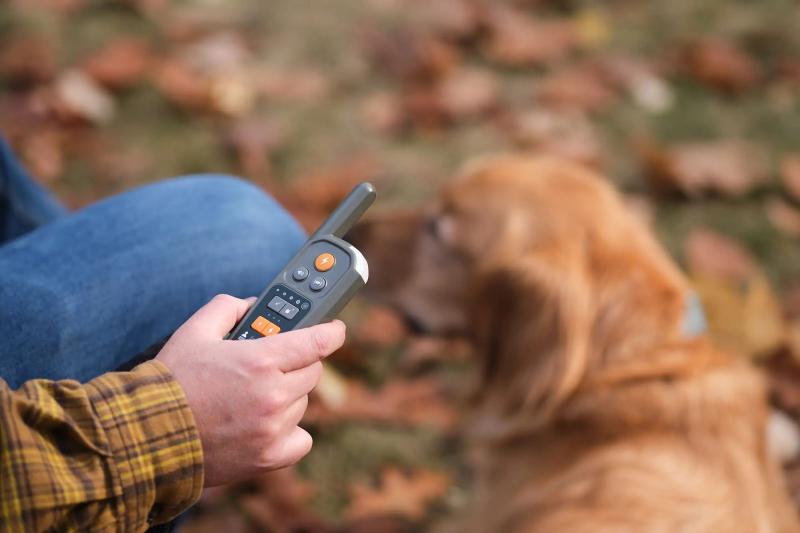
column 217, row 317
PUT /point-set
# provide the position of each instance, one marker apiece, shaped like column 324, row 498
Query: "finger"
column 294, row 413
column 302, row 381
column 294, row 447
column 300, row 348
column 219, row 316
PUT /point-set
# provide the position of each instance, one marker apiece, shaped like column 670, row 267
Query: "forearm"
column 110, row 454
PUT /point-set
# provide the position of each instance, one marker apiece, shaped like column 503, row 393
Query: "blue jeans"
column 83, row 293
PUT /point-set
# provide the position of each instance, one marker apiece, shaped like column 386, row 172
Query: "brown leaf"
column 516, row 39
column 303, row 85
column 783, row 216
column 743, row 312
column 182, row 85
column 790, row 174
column 418, row 402
column 453, row 19
column 280, row 503
column 398, row 493
column 729, row 167
column 383, row 112
column 253, row 140
column 27, row 59
column 381, row 327
column 566, row 133
column 43, row 154
column 581, row 88
column 721, row 64
column 468, row 92
column 712, row 255
column 410, row 56
column 120, row 64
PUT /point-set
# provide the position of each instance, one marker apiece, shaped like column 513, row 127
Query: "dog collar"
column 694, row 318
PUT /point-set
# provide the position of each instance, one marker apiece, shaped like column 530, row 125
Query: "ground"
column 691, row 108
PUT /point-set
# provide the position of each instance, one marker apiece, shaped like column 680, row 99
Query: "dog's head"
column 538, row 261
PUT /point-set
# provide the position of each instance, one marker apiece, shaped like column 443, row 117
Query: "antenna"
column 348, row 212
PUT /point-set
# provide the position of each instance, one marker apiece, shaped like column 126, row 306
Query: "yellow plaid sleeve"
column 116, row 454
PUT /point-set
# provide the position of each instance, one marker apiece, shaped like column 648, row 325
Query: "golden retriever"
column 595, row 410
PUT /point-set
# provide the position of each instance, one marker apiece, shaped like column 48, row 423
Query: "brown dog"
column 595, row 410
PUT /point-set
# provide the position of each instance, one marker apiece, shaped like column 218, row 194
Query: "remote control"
column 318, row 282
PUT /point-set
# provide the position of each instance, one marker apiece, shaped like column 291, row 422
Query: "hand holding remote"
column 247, row 397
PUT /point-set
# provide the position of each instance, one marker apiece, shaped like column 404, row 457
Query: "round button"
column 317, row 284
column 300, row 273
column 324, row 262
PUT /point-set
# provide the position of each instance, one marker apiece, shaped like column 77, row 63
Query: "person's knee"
column 231, row 204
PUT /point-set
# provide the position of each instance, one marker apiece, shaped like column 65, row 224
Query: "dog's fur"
column 593, row 411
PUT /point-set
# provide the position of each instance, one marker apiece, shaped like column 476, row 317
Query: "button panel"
column 283, row 310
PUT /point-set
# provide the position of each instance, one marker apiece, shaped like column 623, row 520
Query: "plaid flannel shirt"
column 117, row 454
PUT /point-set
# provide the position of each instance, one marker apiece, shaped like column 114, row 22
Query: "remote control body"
column 317, row 282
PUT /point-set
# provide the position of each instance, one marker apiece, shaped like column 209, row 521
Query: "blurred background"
column 691, row 108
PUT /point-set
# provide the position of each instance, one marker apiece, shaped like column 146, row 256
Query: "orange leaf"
column 402, row 494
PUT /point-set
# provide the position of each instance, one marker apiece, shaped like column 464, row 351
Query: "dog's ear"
column 532, row 320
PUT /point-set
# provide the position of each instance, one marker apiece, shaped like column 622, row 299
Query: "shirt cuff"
column 157, row 455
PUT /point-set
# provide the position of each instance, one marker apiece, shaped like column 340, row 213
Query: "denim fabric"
column 85, row 292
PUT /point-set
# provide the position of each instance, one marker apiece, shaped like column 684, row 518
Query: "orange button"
column 265, row 327
column 324, row 262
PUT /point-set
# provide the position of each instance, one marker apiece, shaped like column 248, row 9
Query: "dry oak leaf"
column 417, row 402
column 27, row 59
column 721, row 64
column 744, row 314
column 790, row 174
column 182, row 85
column 581, row 88
column 785, row 217
column 729, row 167
column 380, row 327
column 516, row 39
column 565, row 132
column 407, row 495
column 468, row 92
column 120, row 64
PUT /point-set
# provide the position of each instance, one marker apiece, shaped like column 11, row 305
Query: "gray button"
column 276, row 304
column 300, row 273
column 289, row 311
column 317, row 284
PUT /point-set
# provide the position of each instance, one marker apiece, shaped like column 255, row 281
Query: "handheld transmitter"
column 319, row 280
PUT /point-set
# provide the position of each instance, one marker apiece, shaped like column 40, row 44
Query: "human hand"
column 247, row 397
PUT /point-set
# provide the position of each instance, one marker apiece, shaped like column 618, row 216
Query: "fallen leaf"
column 712, row 255
column 383, row 112
column 790, row 174
column 380, row 327
column 564, row 132
column 729, row 167
column 253, row 140
column 468, row 92
column 120, row 64
column 453, row 19
column 515, row 39
column 280, row 503
column 182, row 85
column 26, row 59
column 744, row 314
column 579, row 87
column 292, row 85
column 407, row 495
column 418, row 402
column 721, row 64
column 784, row 217
column 408, row 55
column 232, row 94
column 77, row 96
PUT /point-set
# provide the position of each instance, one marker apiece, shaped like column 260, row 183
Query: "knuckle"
column 273, row 401
column 318, row 342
